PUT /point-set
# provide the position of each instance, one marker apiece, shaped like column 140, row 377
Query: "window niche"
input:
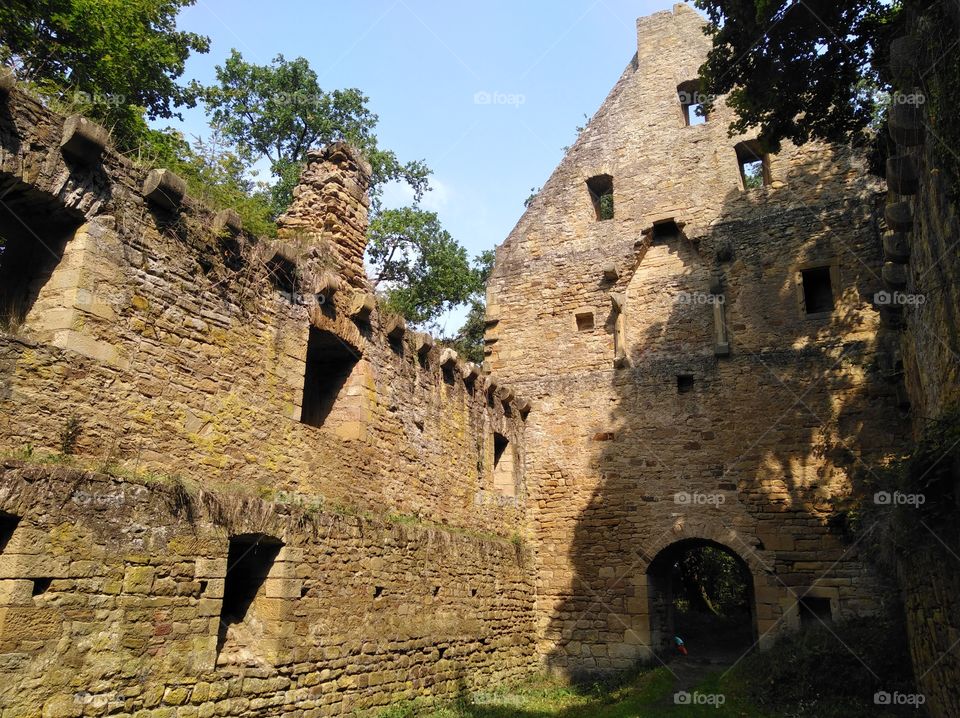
column 246, row 623
column 691, row 103
column 814, row 610
column 684, row 383
column 754, row 165
column 330, row 365
column 600, row 188
column 504, row 466
column 664, row 231
column 585, row 321
column 34, row 232
column 816, row 290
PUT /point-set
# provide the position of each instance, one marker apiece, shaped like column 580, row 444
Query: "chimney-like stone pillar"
column 330, row 206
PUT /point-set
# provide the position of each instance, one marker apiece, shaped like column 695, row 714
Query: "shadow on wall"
column 757, row 451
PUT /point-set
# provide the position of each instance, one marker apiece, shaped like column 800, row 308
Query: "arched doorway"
column 702, row 591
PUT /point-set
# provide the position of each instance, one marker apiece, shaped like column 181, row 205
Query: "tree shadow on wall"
column 758, row 450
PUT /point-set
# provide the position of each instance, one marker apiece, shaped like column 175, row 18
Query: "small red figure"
column 680, row 647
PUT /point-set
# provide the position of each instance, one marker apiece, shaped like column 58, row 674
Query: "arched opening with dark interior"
column 34, row 231
column 701, row 591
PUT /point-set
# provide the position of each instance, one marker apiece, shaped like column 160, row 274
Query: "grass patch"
column 648, row 693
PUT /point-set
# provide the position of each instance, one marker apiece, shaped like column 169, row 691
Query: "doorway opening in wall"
column 34, row 231
column 329, row 364
column 242, row 626
column 702, row 592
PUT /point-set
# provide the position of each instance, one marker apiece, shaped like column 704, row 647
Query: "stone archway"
column 661, row 575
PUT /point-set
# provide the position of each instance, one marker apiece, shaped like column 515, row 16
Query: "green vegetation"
column 119, row 62
column 818, row 673
column 469, row 340
column 798, row 71
column 651, row 693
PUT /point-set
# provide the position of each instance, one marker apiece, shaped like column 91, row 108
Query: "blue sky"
column 539, row 66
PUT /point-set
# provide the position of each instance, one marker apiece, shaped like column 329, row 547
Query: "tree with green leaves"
column 279, row 112
column 420, row 271
column 117, row 61
column 468, row 341
column 798, row 70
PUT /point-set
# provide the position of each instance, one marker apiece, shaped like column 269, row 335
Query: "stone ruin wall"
column 356, row 613
column 922, row 209
column 783, row 408
column 180, row 345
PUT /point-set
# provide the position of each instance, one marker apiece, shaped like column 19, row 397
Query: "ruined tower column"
column 330, row 206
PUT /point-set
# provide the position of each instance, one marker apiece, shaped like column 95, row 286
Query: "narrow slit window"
column 817, row 290
column 504, row 475
column 329, row 364
column 691, row 103
column 601, row 194
column 754, row 165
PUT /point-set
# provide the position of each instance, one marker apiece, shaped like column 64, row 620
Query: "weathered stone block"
column 902, row 175
column 164, row 189
column 83, row 140
column 227, row 222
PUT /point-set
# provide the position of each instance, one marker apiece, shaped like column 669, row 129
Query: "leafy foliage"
column 469, row 339
column 216, row 175
column 710, row 579
column 798, row 70
column 832, row 672
column 279, row 111
column 120, row 59
column 421, row 271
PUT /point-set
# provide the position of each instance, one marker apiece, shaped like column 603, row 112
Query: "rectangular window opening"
column 249, row 561
column 329, row 365
column 754, row 165
column 34, row 232
column 814, row 610
column 817, row 290
column 585, row 321
column 684, row 383
column 601, row 194
column 285, row 277
column 691, row 103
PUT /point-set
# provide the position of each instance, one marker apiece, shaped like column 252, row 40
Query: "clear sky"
column 487, row 93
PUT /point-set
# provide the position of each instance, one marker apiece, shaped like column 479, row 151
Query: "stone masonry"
column 691, row 385
column 230, row 484
column 279, row 500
